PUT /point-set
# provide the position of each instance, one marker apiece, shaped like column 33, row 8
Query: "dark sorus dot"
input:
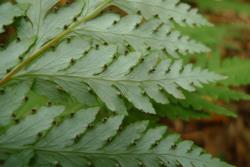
column 53, row 48
column 104, row 119
column 97, row 46
column 77, row 138
column 155, row 30
column 89, row 90
column 164, row 49
column 16, row 121
column 13, row 115
column 49, row 104
column 72, row 61
column 109, row 140
column 26, row 18
column 26, row 98
column 177, row 50
column 90, row 126
column 54, row 122
column 86, row 52
column 8, row 70
column 156, row 16
column 68, row 40
column 40, row 134
column 115, row 57
column 68, row 2
column 162, row 164
column 133, row 143
column 18, row 39
column 142, row 60
column 105, row 66
column 119, row 94
column 2, row 91
column 1, row 45
column 72, row 115
column 137, row 25
column 65, row 27
column 20, row 58
column 152, row 70
column 34, row 111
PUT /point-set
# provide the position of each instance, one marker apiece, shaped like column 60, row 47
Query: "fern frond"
column 49, row 31
column 102, row 145
column 141, row 35
column 13, row 55
column 49, row 21
column 199, row 102
column 11, row 99
column 134, row 77
column 179, row 112
column 232, row 68
column 79, row 55
column 41, row 26
column 181, row 13
column 8, row 12
column 224, row 93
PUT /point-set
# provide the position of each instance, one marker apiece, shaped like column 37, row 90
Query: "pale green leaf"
column 140, row 34
column 19, row 159
column 13, row 55
column 165, row 9
column 8, row 12
column 11, row 99
column 26, row 132
column 64, row 134
column 135, row 77
column 47, row 23
column 106, row 145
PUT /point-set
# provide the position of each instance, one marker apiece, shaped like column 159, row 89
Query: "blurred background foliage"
column 229, row 40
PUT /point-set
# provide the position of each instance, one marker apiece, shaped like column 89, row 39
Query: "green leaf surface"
column 8, row 12
column 237, row 69
column 135, row 77
column 87, row 58
column 102, row 145
column 199, row 102
column 13, row 55
column 164, row 9
column 224, row 93
column 11, row 99
column 46, row 24
column 140, row 34
column 26, row 132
